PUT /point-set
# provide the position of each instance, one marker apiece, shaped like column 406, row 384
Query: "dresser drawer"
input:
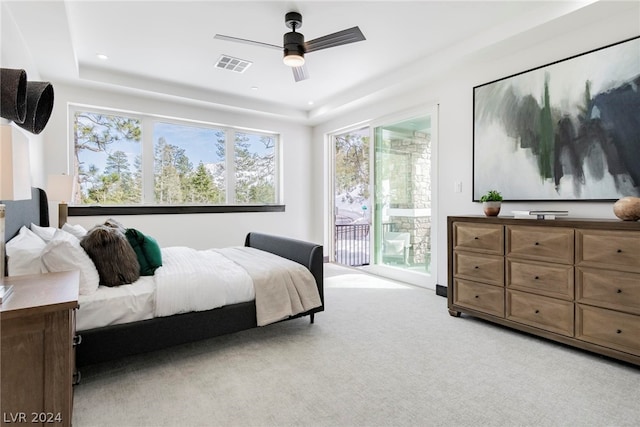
column 608, row 249
column 479, row 268
column 541, row 312
column 485, row 238
column 541, row 243
column 619, row 290
column 553, row 280
column 620, row 331
column 477, row 296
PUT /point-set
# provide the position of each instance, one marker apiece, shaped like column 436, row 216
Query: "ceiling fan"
column 294, row 46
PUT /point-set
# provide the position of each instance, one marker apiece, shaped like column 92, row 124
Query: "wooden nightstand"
column 37, row 324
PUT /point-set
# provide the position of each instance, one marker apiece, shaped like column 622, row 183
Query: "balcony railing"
column 352, row 244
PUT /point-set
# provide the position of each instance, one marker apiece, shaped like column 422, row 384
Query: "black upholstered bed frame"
column 113, row 342
column 25, row 212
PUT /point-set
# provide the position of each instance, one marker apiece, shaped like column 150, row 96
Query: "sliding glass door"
column 351, row 198
column 403, row 199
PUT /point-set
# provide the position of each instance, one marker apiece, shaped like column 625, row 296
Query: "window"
column 107, row 158
column 255, row 168
column 190, row 164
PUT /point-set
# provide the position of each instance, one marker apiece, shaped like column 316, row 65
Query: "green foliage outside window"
column 352, row 166
column 192, row 169
column 255, row 170
column 119, row 180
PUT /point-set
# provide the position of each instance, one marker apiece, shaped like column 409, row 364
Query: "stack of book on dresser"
column 539, row 214
column 5, row 291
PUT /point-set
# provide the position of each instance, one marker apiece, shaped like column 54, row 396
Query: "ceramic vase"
column 627, row 208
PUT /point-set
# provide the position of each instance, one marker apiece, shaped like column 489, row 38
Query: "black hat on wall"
column 28, row 104
column 39, row 106
column 13, row 94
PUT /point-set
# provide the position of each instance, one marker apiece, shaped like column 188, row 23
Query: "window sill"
column 169, row 210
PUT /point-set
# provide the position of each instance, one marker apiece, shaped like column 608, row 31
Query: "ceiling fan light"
column 293, row 49
column 294, row 60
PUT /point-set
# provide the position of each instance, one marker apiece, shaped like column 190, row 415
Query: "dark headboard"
column 25, row 212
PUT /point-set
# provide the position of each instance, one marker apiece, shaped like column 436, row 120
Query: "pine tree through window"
column 192, row 164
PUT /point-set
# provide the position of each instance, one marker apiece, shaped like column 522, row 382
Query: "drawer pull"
column 77, row 340
column 537, row 311
column 619, row 291
column 619, row 251
column 619, row 331
column 476, row 238
column 476, row 267
column 536, row 243
column 536, row 278
column 77, row 377
column 477, row 296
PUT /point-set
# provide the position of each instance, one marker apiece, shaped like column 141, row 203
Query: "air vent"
column 233, row 64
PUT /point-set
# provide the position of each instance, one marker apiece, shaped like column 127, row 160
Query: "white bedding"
column 182, row 267
column 197, row 280
column 120, row 304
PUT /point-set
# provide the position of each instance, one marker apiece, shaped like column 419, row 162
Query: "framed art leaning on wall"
column 569, row 130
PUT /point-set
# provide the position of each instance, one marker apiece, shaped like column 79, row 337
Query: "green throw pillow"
column 147, row 251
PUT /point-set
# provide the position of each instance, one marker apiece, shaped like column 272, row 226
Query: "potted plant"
column 491, row 203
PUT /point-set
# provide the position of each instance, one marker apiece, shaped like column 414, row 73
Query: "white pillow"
column 77, row 230
column 23, row 253
column 64, row 253
column 45, row 233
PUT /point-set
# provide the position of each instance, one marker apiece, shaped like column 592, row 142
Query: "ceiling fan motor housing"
column 293, row 43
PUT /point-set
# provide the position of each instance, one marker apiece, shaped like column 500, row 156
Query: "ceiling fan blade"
column 300, row 73
column 245, row 41
column 350, row 35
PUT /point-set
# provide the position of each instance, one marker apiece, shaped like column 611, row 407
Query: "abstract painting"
column 569, row 130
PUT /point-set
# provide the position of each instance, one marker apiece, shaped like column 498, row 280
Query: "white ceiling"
column 167, row 47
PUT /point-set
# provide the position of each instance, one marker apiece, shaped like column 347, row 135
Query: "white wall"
column 452, row 90
column 14, row 54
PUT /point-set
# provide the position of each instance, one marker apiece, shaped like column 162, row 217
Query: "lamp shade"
column 15, row 172
column 294, row 60
column 60, row 187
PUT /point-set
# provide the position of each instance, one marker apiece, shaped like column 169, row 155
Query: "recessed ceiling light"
column 310, row 103
column 254, row 87
column 102, row 56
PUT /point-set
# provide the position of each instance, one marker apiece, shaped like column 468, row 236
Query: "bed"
column 139, row 335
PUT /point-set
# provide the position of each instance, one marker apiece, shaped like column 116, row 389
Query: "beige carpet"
column 382, row 354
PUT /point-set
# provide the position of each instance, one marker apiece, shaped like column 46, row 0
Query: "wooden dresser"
column 37, row 324
column 576, row 281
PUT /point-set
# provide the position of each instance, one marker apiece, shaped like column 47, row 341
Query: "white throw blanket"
column 283, row 287
column 197, row 280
